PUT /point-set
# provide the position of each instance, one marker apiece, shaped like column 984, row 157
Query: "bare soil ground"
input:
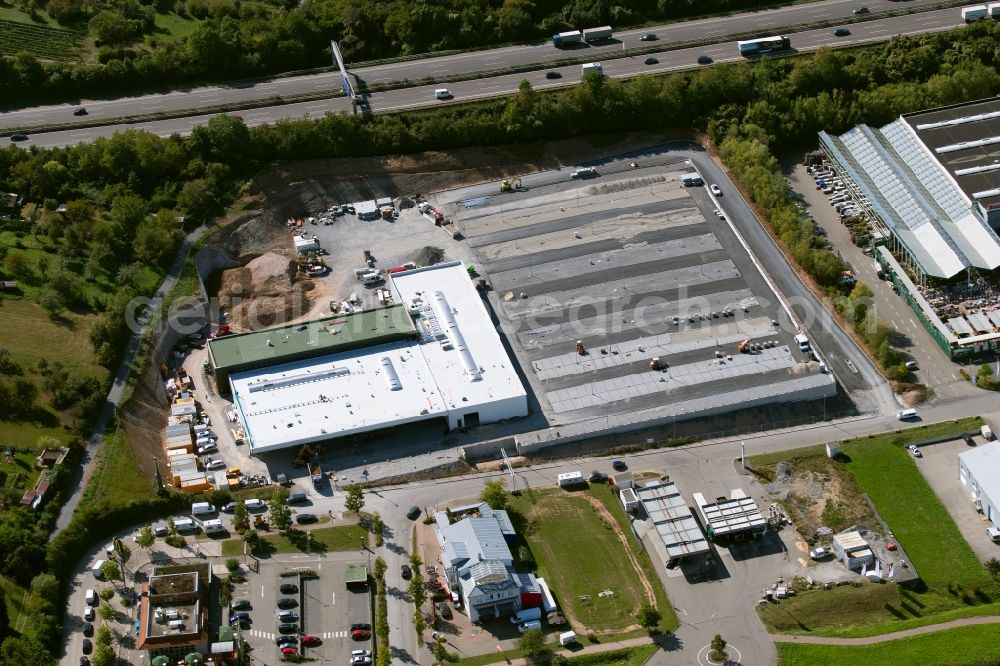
column 817, row 492
column 301, row 188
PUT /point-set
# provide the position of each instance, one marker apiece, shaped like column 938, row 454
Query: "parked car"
column 161, row 531
column 361, row 660
column 443, row 93
column 648, row 37
column 215, row 463
column 911, row 365
column 361, row 634
column 79, row 111
column 87, row 646
column 304, row 518
column 288, row 588
column 286, row 640
column 819, row 553
column 443, row 610
column 287, row 627
column 89, row 614
column 597, row 477
column 84, row 661
column 619, row 465
column 287, row 602
column 289, row 650
column 88, row 629
column 841, row 32
column 242, row 605
column 650, row 61
column 413, row 512
column 861, row 10
column 361, row 653
column 18, row 136
column 715, row 190
column 206, row 449
column 229, row 508
column 239, row 616
column 311, row 641
column 287, row 616
column 553, row 75
column 704, row 59
column 968, row 439
column 406, row 572
column 915, row 451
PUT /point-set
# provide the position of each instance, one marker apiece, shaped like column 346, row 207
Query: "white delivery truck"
column 802, row 341
column 566, row 38
column 214, row 526
column 993, row 9
column 974, row 13
column 987, row 433
column 202, row 508
column 98, row 569
column 526, row 615
column 589, row 67
column 597, row 34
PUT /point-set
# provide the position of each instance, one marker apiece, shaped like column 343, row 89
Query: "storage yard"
column 625, row 297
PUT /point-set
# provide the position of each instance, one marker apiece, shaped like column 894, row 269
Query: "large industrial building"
column 979, row 472
column 929, row 182
column 435, row 356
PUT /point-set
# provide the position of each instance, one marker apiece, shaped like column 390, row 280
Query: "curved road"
column 86, row 468
column 467, row 64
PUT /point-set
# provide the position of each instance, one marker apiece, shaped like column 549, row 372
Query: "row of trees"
column 246, row 39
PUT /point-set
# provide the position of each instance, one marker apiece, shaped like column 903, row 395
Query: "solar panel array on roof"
column 672, row 519
column 730, row 517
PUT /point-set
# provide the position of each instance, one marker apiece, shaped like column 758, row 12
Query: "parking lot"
column 632, row 265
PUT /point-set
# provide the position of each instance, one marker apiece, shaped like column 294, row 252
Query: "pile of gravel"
column 429, row 255
column 783, row 472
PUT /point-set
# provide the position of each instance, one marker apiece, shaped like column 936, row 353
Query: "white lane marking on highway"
column 333, row 598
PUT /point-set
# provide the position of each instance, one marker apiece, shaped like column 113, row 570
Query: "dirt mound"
column 429, row 255
column 264, row 292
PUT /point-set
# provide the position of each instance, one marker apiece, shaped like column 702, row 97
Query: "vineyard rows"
column 41, row 41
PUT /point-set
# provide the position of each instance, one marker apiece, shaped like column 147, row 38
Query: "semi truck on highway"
column 567, row 38
column 974, row 13
column 597, row 34
column 587, row 35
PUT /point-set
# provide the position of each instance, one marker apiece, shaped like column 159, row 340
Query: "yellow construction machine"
column 510, row 184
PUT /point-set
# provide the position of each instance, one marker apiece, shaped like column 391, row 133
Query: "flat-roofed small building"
column 674, row 532
column 734, row 518
column 852, row 549
column 979, row 472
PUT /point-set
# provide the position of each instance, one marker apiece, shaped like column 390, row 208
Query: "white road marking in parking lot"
column 335, row 634
column 262, row 634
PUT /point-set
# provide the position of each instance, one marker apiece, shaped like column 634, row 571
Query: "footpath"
column 884, row 638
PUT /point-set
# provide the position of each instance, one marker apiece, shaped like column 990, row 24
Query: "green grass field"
column 324, row 539
column 965, row 645
column 117, row 480
column 24, row 436
column 956, row 583
column 580, row 555
column 29, row 334
column 887, row 473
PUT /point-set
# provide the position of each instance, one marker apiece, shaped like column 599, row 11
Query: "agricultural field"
column 30, row 334
column 965, row 646
column 953, row 582
column 573, row 536
column 41, row 41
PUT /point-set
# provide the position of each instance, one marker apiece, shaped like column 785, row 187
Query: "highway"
column 471, row 63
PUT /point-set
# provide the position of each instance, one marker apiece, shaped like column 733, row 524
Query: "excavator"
column 510, row 184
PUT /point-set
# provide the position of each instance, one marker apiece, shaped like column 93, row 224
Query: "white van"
column 443, row 93
column 986, row 433
column 185, row 525
column 202, row 508
column 98, row 569
column 91, row 597
column 255, row 504
column 906, row 414
column 529, row 625
column 213, row 526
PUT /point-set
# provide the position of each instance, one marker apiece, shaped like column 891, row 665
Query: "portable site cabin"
column 570, row 479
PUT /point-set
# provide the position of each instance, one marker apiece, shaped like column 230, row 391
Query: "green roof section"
column 356, row 574
column 319, row 336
